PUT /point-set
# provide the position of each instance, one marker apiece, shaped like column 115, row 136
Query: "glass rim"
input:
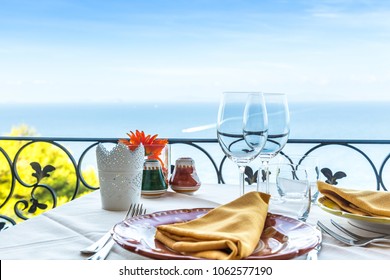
column 274, row 93
column 242, row 92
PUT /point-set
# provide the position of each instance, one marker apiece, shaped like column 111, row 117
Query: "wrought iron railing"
column 40, row 173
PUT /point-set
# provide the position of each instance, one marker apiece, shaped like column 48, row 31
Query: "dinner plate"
column 290, row 238
column 368, row 222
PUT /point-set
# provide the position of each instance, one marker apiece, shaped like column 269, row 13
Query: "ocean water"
column 318, row 120
column 111, row 120
column 350, row 120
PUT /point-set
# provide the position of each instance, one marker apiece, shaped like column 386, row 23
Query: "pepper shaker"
column 184, row 178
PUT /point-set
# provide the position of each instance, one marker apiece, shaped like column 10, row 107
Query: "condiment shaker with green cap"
column 153, row 181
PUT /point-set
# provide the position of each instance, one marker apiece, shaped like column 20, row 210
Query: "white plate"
column 367, row 222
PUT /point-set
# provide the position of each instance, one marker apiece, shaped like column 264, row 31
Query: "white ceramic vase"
column 120, row 175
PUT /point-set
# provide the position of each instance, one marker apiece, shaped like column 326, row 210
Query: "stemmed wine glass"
column 278, row 132
column 242, row 128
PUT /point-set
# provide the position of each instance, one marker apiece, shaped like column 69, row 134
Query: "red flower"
column 153, row 146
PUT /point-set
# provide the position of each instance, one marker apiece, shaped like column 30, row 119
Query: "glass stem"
column 266, row 168
column 241, row 170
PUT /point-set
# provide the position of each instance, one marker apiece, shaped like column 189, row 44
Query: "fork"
column 356, row 236
column 99, row 244
column 354, row 242
column 366, row 229
column 105, row 250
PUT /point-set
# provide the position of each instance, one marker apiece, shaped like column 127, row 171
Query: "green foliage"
column 41, row 163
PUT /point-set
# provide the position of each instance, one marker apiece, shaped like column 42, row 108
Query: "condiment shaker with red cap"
column 184, row 178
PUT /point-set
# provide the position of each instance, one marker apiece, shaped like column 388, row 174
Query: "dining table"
column 60, row 233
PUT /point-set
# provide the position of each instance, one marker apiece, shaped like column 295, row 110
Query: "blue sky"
column 156, row 50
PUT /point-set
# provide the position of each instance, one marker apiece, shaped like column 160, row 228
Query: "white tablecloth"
column 61, row 233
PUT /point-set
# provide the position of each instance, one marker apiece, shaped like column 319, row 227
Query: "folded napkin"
column 367, row 203
column 230, row 231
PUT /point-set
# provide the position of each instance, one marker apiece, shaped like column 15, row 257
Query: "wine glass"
column 278, row 132
column 242, row 128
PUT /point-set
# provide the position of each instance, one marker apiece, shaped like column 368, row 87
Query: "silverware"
column 313, row 254
column 103, row 252
column 381, row 242
column 356, row 236
column 366, row 229
column 99, row 244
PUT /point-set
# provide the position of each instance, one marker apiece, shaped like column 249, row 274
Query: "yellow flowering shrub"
column 61, row 179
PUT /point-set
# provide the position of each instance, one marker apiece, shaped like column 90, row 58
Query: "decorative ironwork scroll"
column 22, row 171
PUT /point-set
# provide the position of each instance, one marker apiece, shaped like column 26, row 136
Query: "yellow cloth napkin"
column 361, row 202
column 230, row 231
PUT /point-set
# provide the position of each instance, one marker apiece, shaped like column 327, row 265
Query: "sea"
column 327, row 120
column 309, row 120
